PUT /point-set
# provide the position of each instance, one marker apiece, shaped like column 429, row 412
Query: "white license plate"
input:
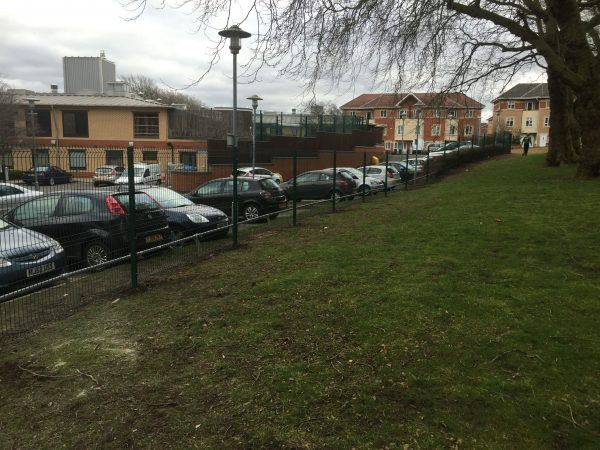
column 44, row 268
column 154, row 238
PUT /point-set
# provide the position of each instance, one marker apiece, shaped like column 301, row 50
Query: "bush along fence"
column 80, row 225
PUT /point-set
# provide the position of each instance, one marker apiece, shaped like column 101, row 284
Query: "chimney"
column 102, row 54
column 293, row 110
column 54, row 88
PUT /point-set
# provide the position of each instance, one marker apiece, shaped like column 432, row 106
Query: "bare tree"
column 446, row 44
column 8, row 112
column 148, row 89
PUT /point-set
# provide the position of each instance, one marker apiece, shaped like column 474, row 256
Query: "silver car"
column 372, row 185
column 13, row 194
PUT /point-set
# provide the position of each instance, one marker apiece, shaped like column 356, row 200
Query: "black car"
column 318, row 184
column 256, row 197
column 185, row 217
column 49, row 175
column 92, row 225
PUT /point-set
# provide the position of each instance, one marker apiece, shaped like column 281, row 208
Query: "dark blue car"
column 185, row 218
column 27, row 257
column 49, row 175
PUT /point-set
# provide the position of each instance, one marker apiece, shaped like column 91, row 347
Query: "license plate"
column 44, row 268
column 154, row 238
column 282, row 205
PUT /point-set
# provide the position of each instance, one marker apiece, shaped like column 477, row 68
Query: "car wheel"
column 96, row 253
column 366, row 190
column 335, row 194
column 51, row 182
column 177, row 234
column 251, row 211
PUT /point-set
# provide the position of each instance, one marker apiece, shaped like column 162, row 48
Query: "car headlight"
column 197, row 218
column 56, row 246
column 5, row 262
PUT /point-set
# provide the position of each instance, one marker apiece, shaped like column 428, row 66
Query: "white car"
column 379, row 172
column 13, row 194
column 259, row 172
column 371, row 185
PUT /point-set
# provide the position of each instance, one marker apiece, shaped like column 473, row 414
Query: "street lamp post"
column 418, row 111
column 32, row 121
column 497, row 126
column 235, row 35
column 255, row 98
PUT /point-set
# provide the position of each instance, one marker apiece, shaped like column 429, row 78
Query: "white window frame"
column 383, row 113
column 436, row 113
column 399, row 113
column 527, row 106
column 400, row 129
column 547, row 121
column 396, row 146
column 452, row 130
column 468, row 130
column 510, row 122
column 469, row 114
column 435, row 129
column 353, row 113
column 528, row 121
column 387, row 146
column 511, row 104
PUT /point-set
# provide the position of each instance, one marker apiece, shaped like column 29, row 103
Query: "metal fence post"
column 294, row 173
column 364, row 171
column 131, row 218
column 334, row 180
column 427, row 168
column 385, row 174
column 406, row 172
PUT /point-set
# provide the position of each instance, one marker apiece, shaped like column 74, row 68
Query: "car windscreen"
column 168, row 198
column 137, row 172
column 104, row 170
column 143, row 201
column 39, row 169
column 4, row 224
column 268, row 184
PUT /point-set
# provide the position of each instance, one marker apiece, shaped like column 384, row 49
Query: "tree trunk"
column 564, row 134
column 587, row 110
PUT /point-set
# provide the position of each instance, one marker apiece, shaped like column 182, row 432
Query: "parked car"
column 259, row 172
column 107, row 175
column 143, row 173
column 49, row 175
column 27, row 257
column 434, row 147
column 13, row 194
column 92, row 225
column 318, row 184
column 256, row 196
column 371, row 185
column 379, row 171
column 186, row 218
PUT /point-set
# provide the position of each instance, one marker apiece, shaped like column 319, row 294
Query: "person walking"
column 526, row 143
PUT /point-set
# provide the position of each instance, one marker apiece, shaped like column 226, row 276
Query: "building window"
column 436, row 113
column 145, row 125
column 468, row 130
column 416, row 113
column 452, row 130
column 400, row 113
column 435, row 130
column 77, row 160
column 368, row 115
column 510, row 121
column 387, row 146
column 6, row 159
column 529, row 106
column 75, row 123
column 511, row 104
column 528, row 121
column 43, row 125
column 396, row 147
column 188, row 158
column 150, row 157
column 451, row 114
column 383, row 113
column 468, row 114
column 114, row 158
column 400, row 129
column 547, row 121
column 353, row 113
column 385, row 131
column 42, row 158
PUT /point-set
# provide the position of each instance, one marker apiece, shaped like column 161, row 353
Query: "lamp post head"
column 32, row 101
column 403, row 115
column 235, row 34
column 255, row 98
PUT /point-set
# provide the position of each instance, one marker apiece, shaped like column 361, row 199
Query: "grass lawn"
column 462, row 315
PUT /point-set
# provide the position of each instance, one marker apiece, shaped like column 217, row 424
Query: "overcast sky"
column 161, row 44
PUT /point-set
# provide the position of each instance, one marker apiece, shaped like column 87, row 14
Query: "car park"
column 259, row 172
column 27, row 257
column 92, row 226
column 107, row 175
column 49, row 175
column 318, row 184
column 13, row 194
column 186, row 218
column 383, row 173
column 143, row 173
column 256, row 196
